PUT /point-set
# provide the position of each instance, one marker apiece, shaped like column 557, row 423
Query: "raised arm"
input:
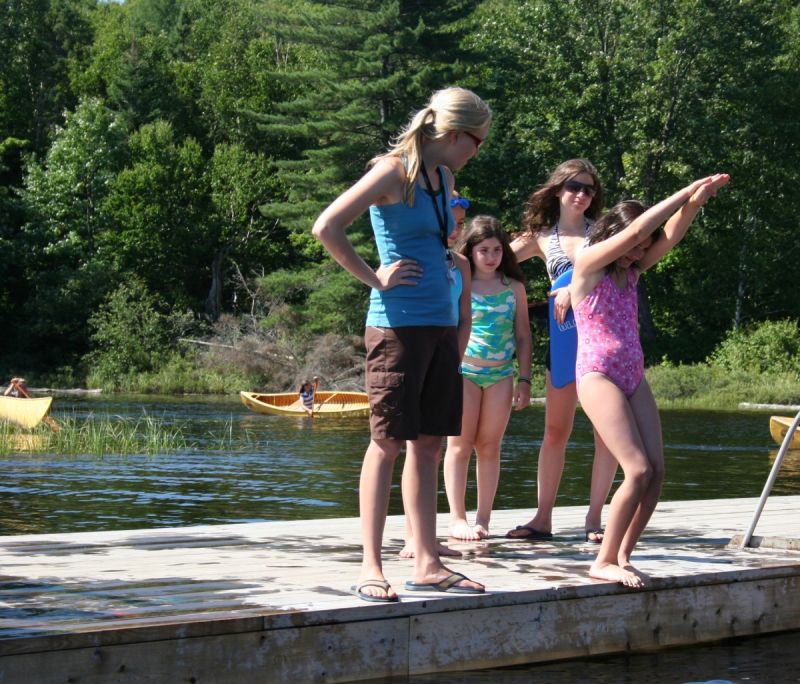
column 679, row 222
column 596, row 257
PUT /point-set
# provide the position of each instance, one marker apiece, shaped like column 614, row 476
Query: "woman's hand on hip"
column 400, row 272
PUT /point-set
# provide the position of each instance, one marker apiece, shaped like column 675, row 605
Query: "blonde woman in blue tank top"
column 500, row 340
column 412, row 360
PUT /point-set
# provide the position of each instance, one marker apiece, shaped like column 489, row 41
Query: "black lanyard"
column 441, row 216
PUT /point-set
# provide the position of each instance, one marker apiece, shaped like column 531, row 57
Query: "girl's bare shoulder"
column 518, row 288
column 389, row 166
column 462, row 263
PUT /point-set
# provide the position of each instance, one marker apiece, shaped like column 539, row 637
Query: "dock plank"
column 269, row 602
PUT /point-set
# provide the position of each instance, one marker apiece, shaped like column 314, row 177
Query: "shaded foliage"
column 189, row 145
column 133, row 331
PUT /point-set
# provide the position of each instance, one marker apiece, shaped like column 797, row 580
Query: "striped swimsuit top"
column 556, row 260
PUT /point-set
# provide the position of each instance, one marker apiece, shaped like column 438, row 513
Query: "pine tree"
column 363, row 66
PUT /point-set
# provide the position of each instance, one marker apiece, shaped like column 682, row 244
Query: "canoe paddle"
column 335, row 394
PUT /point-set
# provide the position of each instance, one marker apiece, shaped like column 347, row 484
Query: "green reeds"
column 94, row 436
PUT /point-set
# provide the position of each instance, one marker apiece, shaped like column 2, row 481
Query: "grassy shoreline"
column 700, row 386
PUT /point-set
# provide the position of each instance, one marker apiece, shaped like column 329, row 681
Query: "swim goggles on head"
column 459, row 202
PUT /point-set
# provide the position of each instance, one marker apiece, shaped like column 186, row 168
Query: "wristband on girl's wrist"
column 521, row 379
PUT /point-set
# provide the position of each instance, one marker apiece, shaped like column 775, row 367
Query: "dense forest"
column 162, row 161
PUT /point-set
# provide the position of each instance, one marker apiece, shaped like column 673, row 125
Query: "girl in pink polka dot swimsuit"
column 610, row 365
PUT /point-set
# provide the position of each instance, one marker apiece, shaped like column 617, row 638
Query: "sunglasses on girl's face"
column 576, row 187
column 462, row 202
column 478, row 141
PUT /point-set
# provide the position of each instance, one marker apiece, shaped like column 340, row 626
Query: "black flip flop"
column 447, row 585
column 533, row 534
column 595, row 531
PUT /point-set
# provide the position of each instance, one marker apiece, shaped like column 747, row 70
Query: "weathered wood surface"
column 271, row 602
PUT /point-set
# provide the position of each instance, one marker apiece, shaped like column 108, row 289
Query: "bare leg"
column 649, row 424
column 604, row 469
column 615, row 421
column 456, row 463
column 494, row 414
column 373, row 495
column 419, row 499
column 408, row 548
column 559, row 415
column 442, row 549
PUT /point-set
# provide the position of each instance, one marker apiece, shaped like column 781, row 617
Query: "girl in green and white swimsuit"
column 500, row 333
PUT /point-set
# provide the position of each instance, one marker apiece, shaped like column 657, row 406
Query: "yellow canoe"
column 779, row 426
column 329, row 404
column 25, row 412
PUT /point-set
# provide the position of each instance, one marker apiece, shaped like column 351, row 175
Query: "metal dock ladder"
column 748, row 536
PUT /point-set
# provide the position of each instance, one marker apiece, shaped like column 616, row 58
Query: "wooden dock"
column 270, row 602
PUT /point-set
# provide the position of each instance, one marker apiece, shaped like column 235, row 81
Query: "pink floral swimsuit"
column 608, row 334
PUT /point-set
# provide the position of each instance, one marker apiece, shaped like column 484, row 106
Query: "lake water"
column 246, row 467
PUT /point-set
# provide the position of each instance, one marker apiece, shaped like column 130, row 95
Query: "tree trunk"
column 214, row 298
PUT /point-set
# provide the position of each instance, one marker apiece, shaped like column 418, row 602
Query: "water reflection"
column 247, row 467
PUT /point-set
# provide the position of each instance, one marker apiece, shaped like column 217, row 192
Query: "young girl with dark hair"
column 610, row 366
column 500, row 334
column 556, row 221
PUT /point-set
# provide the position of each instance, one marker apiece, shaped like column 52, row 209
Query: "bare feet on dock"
column 614, row 573
column 644, row 577
column 408, row 550
column 481, row 530
column 461, row 529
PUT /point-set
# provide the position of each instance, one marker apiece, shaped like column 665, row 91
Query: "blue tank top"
column 413, row 233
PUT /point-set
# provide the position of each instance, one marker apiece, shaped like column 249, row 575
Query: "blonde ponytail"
column 449, row 110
